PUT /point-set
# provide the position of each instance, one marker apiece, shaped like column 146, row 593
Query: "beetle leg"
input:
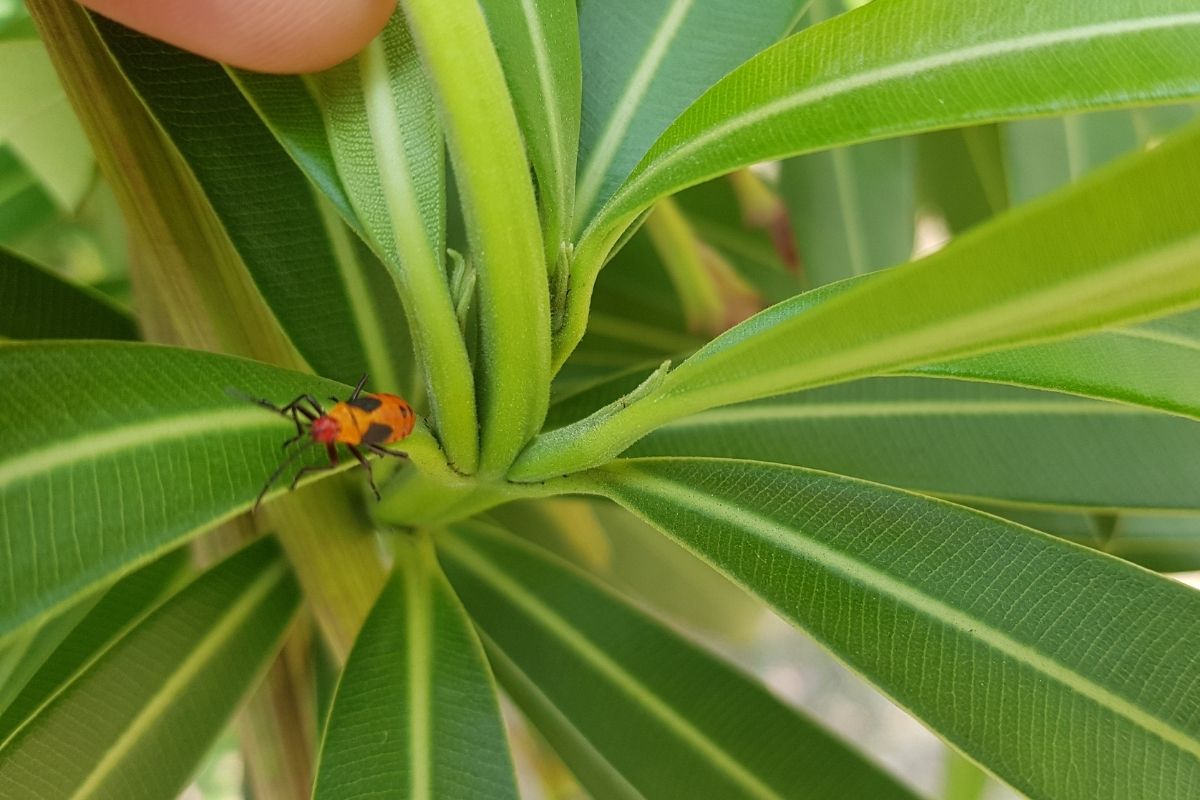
column 367, row 466
column 305, row 470
column 358, row 389
column 383, row 451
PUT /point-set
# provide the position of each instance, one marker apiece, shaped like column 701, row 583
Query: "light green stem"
column 503, row 229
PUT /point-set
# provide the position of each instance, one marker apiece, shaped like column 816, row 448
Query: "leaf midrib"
column 861, row 573
column 187, row 671
column 628, row 104
column 913, row 408
column 63, row 452
column 633, row 688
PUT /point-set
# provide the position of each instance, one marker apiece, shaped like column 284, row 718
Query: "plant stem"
column 503, row 228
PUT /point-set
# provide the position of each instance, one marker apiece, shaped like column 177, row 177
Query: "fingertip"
column 282, row 36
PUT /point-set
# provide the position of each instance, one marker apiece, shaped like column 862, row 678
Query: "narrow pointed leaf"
column 416, row 713
column 262, row 199
column 493, row 178
column 138, row 721
column 644, row 62
column 1161, row 542
column 124, row 451
column 853, row 209
column 689, row 725
column 960, row 439
column 37, row 123
column 37, row 304
column 1019, row 280
column 538, row 45
column 961, row 174
column 1155, row 365
column 1065, row 672
column 98, row 622
column 982, row 61
column 387, row 147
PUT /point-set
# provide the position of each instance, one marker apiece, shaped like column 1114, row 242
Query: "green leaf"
column 967, row 440
column 1067, row 673
column 1044, row 154
column 37, row 123
column 637, row 561
column 493, row 178
column 88, row 630
column 644, row 62
column 1021, row 279
column 1164, row 543
column 266, row 206
column 964, row 780
column 137, row 721
column 388, row 149
column 671, row 720
column 37, row 304
column 983, row 60
column 15, row 23
column 1156, row 365
column 25, row 207
column 416, row 714
column 124, row 451
column 23, row 653
column 961, row 175
column 538, row 45
column 853, row 209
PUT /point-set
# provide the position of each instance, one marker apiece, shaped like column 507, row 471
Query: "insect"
column 369, row 421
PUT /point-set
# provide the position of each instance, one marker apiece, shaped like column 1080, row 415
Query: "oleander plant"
column 883, row 316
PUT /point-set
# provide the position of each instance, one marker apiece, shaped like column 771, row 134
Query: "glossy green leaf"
column 93, row 625
column 1155, row 364
column 644, row 62
column 137, row 721
column 670, row 719
column 124, row 451
column 853, row 209
column 266, row 206
column 1067, row 673
column 387, row 147
column 416, row 713
column 983, row 60
column 961, row 175
column 538, row 45
column 37, row 123
column 494, row 183
column 1019, row 280
column 961, row 439
column 37, row 304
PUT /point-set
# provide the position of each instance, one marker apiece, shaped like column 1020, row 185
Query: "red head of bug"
column 325, row 429
column 368, row 421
